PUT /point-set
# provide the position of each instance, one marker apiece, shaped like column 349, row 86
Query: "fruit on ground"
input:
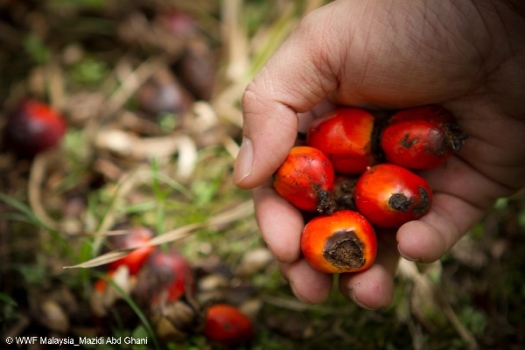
column 34, row 127
column 345, row 136
column 167, row 276
column 421, row 137
column 342, row 242
column 389, row 195
column 306, row 179
column 226, row 325
column 135, row 237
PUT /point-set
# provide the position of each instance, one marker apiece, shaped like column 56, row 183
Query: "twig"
column 125, row 185
column 235, row 40
column 55, row 84
column 36, row 177
column 452, row 317
column 120, row 96
column 409, row 270
column 240, row 211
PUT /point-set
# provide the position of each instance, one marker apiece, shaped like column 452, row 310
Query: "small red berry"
column 345, row 136
column 34, row 127
column 421, row 137
column 163, row 93
column 389, row 195
column 306, row 179
column 135, row 237
column 342, row 242
column 227, row 326
column 169, row 274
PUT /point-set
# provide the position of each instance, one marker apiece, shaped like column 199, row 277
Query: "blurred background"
column 140, row 102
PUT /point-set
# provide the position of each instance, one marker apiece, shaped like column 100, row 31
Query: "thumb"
column 295, row 79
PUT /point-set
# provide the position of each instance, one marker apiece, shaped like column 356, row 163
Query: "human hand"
column 467, row 56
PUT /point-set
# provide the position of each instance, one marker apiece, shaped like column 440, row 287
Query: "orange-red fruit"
column 421, row 137
column 173, row 273
column 227, row 326
column 34, row 127
column 305, row 179
column 389, row 195
column 136, row 237
column 345, row 136
column 342, row 242
column 101, row 284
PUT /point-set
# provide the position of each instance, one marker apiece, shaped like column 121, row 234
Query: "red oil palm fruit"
column 134, row 237
column 170, row 276
column 34, row 127
column 342, row 242
column 389, row 195
column 306, row 179
column 226, row 325
column 421, row 137
column 345, row 136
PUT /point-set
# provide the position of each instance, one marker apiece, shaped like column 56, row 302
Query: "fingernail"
column 243, row 163
column 358, row 303
column 407, row 257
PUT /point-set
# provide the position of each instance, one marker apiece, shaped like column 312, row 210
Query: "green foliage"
column 79, row 4
column 8, row 313
column 89, row 72
column 7, row 300
column 26, row 214
column 34, row 274
column 168, row 121
column 521, row 220
column 145, row 329
column 474, row 320
column 36, row 48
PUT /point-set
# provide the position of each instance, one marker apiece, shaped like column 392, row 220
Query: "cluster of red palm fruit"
column 358, row 173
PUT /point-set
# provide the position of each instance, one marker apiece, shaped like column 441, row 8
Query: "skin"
column 468, row 56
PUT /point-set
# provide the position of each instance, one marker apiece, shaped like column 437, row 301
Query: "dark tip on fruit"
column 343, row 194
column 325, row 203
column 345, row 202
column 407, row 143
column 400, row 202
column 424, row 205
column 455, row 136
column 344, row 250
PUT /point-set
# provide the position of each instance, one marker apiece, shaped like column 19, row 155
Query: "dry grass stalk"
column 227, row 217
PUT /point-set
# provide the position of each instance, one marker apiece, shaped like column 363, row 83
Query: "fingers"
column 429, row 238
column 290, row 83
column 370, row 289
column 281, row 226
column 373, row 289
column 280, row 223
column 308, row 285
column 461, row 196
